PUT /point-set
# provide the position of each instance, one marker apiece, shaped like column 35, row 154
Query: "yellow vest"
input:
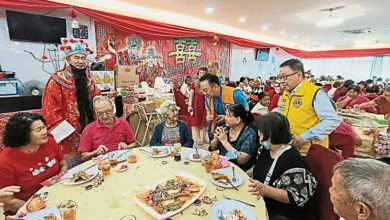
column 227, row 98
column 301, row 114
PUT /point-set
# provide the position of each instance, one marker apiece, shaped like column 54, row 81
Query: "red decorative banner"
column 169, row 58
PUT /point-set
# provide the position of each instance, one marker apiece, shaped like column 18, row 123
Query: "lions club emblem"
column 297, row 103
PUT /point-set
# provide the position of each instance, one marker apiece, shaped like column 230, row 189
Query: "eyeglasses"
column 107, row 112
column 286, row 76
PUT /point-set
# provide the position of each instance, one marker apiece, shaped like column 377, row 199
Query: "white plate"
column 190, row 152
column 117, row 168
column 182, row 173
column 122, row 153
column 38, row 215
column 150, row 150
column 228, row 206
column 229, row 172
column 94, row 171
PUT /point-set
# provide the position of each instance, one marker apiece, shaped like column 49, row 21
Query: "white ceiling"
column 296, row 18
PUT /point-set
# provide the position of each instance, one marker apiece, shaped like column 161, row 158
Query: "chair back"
column 343, row 142
column 256, row 116
column 327, row 87
column 320, row 161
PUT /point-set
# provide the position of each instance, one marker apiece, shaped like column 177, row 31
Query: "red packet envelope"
column 53, row 180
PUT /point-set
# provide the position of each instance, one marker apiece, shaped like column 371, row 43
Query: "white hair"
column 100, row 98
column 367, row 181
column 165, row 105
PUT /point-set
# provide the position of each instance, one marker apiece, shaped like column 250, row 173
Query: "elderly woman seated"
column 280, row 174
column 172, row 130
column 237, row 141
column 30, row 158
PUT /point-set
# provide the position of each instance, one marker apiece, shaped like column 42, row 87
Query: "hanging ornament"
column 96, row 58
column 81, row 41
column 74, row 23
column 65, row 41
column 215, row 40
column 73, row 13
column 44, row 57
column 68, row 47
column 91, row 51
column 62, row 48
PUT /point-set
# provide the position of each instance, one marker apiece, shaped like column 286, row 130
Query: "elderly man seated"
column 172, row 130
column 107, row 133
column 360, row 189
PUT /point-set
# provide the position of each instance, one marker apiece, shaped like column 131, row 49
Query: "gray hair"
column 165, row 105
column 367, row 181
column 100, row 98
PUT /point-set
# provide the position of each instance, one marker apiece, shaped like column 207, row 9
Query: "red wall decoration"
column 164, row 57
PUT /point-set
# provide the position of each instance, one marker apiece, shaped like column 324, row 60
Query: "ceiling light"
column 209, row 9
column 283, row 32
column 264, row 27
column 242, row 19
column 330, row 21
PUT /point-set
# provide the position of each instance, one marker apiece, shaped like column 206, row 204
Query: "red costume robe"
column 59, row 104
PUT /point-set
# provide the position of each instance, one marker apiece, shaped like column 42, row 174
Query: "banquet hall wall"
column 12, row 55
column 242, row 59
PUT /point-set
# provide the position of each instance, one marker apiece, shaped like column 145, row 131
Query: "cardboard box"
column 149, row 106
column 125, row 76
column 104, row 80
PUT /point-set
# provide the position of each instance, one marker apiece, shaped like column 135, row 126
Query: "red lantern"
column 62, row 48
column 44, row 57
column 73, row 13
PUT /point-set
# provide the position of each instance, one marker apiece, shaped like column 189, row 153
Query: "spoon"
column 221, row 215
column 234, row 176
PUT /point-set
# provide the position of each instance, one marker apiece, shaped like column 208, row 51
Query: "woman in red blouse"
column 30, row 158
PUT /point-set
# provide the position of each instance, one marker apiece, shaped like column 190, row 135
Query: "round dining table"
column 115, row 197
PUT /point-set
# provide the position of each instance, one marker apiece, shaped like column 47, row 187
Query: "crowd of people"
column 266, row 129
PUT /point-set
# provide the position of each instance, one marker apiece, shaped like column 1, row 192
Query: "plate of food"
column 352, row 113
column 192, row 155
column 233, row 210
column 119, row 155
column 121, row 167
column 77, row 175
column 171, row 195
column 44, row 214
column 219, row 177
column 159, row 151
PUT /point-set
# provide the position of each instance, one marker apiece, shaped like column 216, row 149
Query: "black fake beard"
column 84, row 104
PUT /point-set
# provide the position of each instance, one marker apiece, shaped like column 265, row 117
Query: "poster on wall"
column 169, row 58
